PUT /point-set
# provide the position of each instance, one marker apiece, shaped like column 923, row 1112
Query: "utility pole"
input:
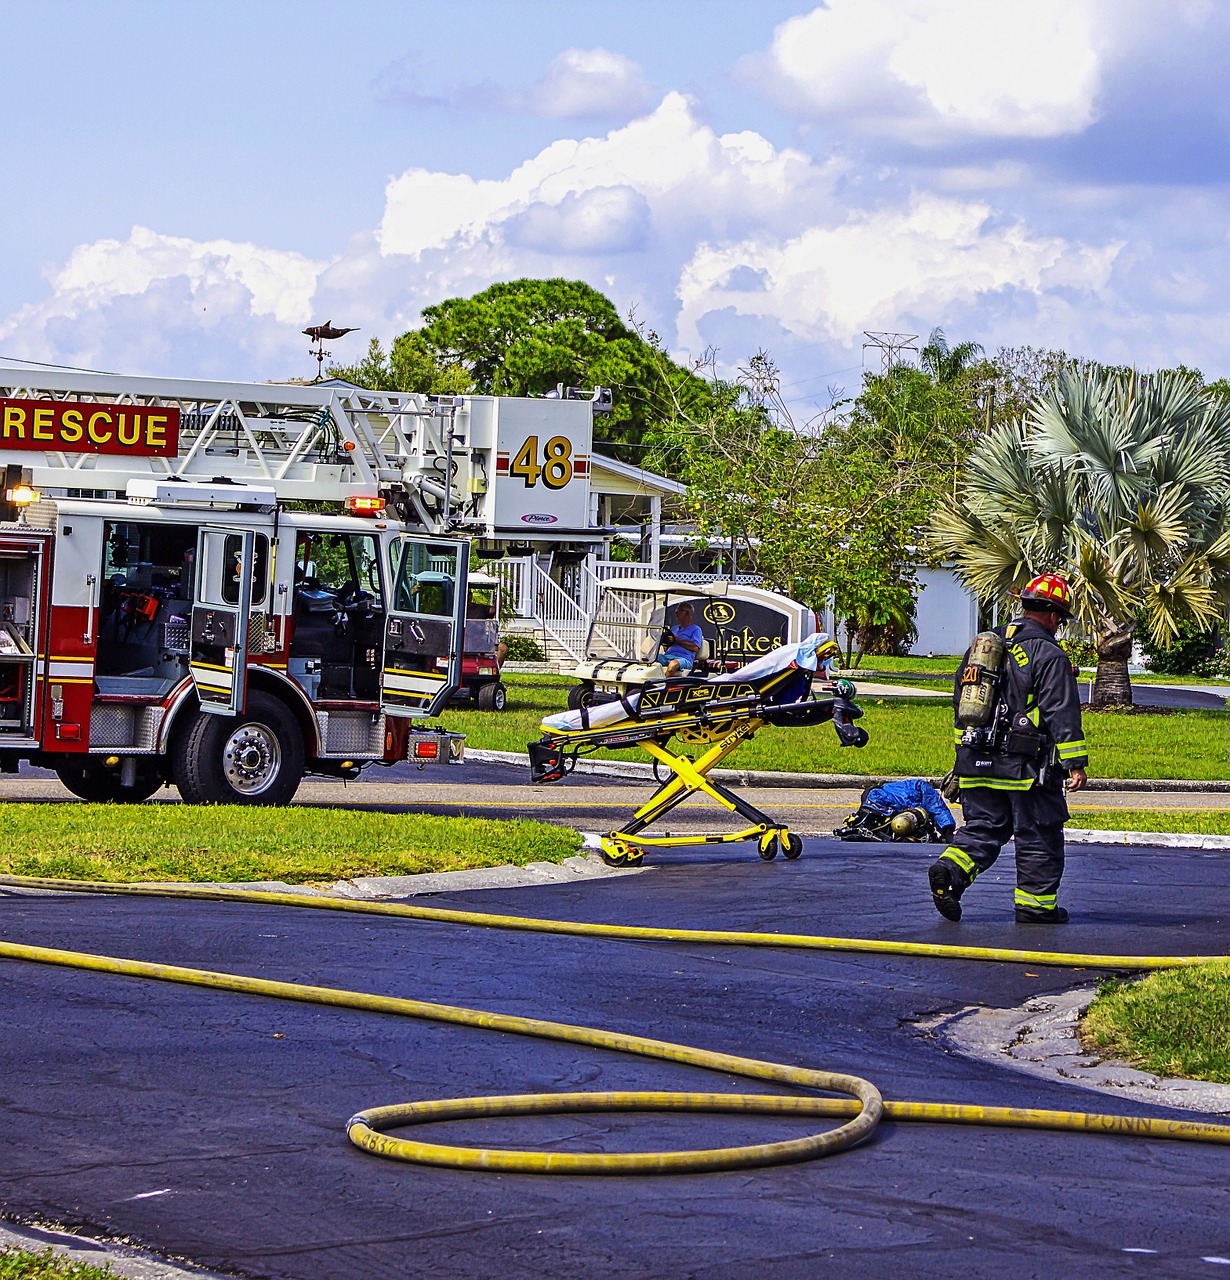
column 890, row 346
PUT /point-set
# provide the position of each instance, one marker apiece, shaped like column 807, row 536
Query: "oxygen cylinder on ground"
column 980, row 681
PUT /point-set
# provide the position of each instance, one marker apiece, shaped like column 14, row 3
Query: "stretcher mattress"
column 801, row 655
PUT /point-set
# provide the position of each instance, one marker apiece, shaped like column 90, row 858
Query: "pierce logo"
column 539, row 517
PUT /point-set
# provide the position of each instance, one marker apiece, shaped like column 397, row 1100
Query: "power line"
column 44, row 364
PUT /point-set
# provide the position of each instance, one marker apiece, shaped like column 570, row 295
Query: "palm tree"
column 1120, row 482
column 944, row 363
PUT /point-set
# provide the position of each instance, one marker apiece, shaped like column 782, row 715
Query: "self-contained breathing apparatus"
column 991, row 710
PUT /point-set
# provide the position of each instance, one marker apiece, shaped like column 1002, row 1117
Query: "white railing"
column 605, row 570
column 515, row 584
column 533, row 593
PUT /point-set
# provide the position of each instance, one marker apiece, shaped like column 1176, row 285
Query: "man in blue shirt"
column 684, row 642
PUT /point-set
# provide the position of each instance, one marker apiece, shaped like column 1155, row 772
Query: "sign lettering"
column 68, row 426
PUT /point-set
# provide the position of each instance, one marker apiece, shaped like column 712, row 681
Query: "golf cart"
column 629, row 636
column 482, row 653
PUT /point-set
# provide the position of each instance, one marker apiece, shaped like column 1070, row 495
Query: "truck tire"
column 492, row 697
column 253, row 758
column 91, row 780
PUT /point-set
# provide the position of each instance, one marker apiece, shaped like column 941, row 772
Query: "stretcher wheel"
column 792, row 846
column 618, row 853
column 767, row 847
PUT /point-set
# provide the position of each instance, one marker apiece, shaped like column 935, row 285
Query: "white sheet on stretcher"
column 801, row 655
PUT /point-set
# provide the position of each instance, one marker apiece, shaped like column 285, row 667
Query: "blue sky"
column 189, row 185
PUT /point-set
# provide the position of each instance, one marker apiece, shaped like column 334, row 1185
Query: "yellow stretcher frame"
column 721, row 724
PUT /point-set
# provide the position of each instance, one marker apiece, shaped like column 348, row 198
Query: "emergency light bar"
column 363, row 506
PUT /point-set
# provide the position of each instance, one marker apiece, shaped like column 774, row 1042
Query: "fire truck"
column 226, row 586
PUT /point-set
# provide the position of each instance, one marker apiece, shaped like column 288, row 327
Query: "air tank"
column 980, row 681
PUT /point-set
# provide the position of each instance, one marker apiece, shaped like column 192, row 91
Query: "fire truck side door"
column 424, row 625
column 220, row 613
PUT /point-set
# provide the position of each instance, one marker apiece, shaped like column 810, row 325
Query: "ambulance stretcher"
column 715, row 715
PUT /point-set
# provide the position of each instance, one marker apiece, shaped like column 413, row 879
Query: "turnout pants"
column 1035, row 817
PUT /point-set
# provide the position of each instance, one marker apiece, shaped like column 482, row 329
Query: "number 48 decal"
column 555, row 470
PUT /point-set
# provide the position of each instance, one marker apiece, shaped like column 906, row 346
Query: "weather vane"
column 320, row 334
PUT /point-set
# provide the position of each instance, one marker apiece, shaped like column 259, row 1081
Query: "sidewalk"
column 635, row 770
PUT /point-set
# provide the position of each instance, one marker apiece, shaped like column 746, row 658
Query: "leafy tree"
column 827, row 513
column 528, row 337
column 1118, row 481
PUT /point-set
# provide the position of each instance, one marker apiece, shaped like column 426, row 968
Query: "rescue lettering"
column 58, row 426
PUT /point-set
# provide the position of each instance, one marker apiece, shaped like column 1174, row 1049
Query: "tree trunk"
column 1112, row 686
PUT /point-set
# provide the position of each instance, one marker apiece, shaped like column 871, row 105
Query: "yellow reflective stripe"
column 1077, row 745
column 961, row 859
column 1045, row 901
column 997, row 784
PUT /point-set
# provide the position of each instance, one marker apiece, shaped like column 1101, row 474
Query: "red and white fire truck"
column 181, row 601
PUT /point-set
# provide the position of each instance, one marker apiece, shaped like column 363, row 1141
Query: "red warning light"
column 364, row 506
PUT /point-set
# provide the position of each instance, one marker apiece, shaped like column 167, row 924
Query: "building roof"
column 609, row 475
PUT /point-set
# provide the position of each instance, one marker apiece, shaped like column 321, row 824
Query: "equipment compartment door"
column 23, row 590
column 218, row 657
column 425, row 625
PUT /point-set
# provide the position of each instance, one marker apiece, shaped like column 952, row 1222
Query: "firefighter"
column 1014, row 783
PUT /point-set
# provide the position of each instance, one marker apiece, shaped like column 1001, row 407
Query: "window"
column 427, row 579
column 332, row 565
column 233, row 552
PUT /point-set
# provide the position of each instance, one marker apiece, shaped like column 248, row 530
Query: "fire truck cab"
column 195, row 608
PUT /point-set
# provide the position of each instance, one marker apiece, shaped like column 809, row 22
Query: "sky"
column 189, row 185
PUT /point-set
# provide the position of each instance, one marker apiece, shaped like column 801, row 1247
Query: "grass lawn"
column 236, row 843
column 1171, row 1023
column 21, row 1264
column 908, row 738
column 1203, row 822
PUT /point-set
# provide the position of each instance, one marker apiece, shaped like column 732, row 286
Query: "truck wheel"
column 492, row 697
column 582, row 695
column 92, row 781
column 253, row 758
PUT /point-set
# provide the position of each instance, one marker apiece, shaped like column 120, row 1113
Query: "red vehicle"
column 482, row 651
column 227, row 586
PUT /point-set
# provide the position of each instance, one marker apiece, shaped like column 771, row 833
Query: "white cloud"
column 721, row 239
column 874, row 270
column 600, row 220
column 590, row 82
column 681, row 170
column 163, row 293
column 578, row 84
column 931, row 69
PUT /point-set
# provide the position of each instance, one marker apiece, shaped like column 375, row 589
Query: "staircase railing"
column 533, row 593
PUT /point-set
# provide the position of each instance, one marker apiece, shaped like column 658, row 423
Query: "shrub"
column 523, row 648
column 1080, row 652
column 1187, row 651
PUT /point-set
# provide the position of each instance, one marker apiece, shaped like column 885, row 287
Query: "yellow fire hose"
column 861, row 1110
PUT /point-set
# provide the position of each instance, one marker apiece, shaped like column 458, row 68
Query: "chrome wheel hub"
column 252, row 759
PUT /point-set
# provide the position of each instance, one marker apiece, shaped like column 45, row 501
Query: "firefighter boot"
column 1041, row 915
column 946, row 890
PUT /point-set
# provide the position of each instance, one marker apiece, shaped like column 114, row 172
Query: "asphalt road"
column 210, row 1126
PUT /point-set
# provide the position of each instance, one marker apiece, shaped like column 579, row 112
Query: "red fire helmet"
column 1050, row 590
